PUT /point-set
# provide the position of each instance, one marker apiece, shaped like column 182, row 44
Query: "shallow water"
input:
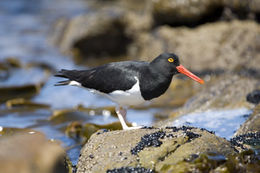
column 223, row 122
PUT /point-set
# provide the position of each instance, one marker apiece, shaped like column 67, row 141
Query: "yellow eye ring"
column 170, row 59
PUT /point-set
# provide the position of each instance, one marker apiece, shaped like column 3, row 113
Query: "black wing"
column 106, row 78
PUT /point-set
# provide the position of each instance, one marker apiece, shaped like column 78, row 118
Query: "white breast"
column 129, row 97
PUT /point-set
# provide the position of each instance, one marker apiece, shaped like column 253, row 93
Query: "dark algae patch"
column 252, row 138
column 152, row 139
column 187, row 128
column 130, row 170
column 192, row 135
column 148, row 127
column 254, row 97
column 149, row 140
column 102, row 131
column 183, row 128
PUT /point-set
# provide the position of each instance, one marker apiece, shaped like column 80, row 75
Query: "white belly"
column 129, row 97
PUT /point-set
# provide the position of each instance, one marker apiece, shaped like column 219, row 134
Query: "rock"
column 248, row 135
column 77, row 130
column 252, row 124
column 247, row 141
column 220, row 45
column 147, row 149
column 130, row 169
column 228, row 91
column 30, row 153
column 95, row 35
column 254, row 97
column 243, row 8
column 178, row 93
column 18, row 92
column 186, row 12
column 246, row 161
column 192, row 13
column 13, row 86
column 120, row 29
column 23, row 103
column 103, row 33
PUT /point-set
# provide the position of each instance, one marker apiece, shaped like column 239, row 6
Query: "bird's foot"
column 121, row 113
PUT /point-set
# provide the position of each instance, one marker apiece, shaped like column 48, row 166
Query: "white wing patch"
column 75, row 83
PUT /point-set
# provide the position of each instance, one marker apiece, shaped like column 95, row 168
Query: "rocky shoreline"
column 219, row 40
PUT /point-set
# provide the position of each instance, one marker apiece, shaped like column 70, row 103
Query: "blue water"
column 223, row 122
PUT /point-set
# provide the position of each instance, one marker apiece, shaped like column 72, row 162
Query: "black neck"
column 154, row 83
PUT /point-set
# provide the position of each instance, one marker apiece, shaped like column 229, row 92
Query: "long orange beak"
column 183, row 70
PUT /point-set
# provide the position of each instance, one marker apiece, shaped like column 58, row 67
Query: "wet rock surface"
column 147, row 148
column 252, row 124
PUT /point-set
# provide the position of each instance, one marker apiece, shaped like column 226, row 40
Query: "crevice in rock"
column 257, row 16
column 168, row 153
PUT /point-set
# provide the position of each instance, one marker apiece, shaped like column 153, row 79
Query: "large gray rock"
column 147, row 149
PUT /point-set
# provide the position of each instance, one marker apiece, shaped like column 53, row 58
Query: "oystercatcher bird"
column 128, row 82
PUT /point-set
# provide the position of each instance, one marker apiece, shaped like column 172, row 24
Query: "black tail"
column 71, row 75
column 60, row 83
